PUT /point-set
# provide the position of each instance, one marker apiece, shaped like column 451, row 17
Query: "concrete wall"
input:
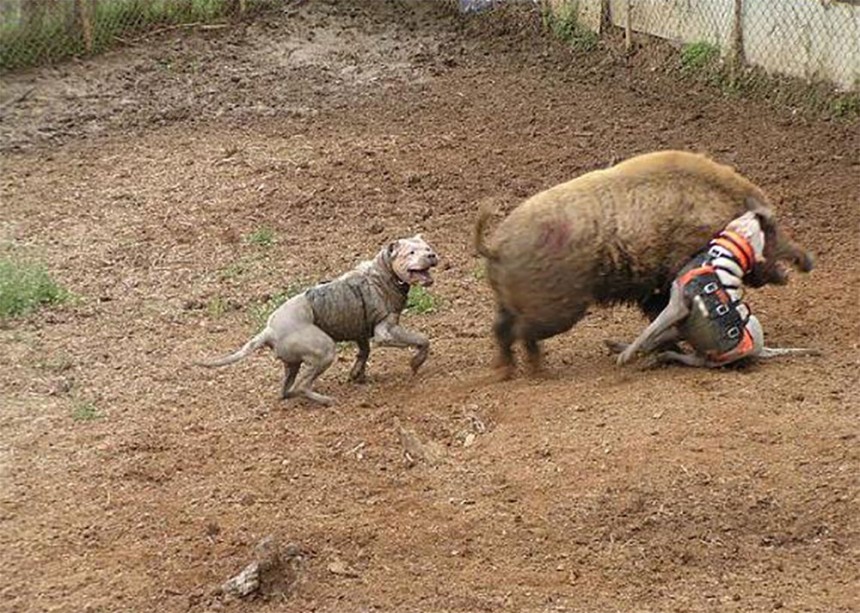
column 804, row 38
column 679, row 20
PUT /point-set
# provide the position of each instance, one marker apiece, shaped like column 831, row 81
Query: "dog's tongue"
column 423, row 277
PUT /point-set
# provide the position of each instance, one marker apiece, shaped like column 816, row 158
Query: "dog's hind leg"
column 777, row 352
column 653, row 335
column 317, row 351
column 291, row 369
column 671, row 335
column 688, row 359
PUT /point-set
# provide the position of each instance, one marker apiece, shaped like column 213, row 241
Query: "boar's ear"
column 760, row 208
column 771, row 234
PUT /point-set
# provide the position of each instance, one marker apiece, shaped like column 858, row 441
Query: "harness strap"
column 744, row 347
column 697, row 271
column 738, row 246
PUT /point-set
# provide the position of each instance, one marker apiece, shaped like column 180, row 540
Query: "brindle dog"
column 363, row 304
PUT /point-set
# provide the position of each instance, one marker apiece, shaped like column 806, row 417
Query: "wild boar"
column 617, row 235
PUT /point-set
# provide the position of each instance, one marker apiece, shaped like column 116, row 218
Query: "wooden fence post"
column 605, row 17
column 736, row 55
column 237, row 7
column 628, row 27
column 85, row 23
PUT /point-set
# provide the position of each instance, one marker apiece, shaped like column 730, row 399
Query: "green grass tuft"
column 846, row 106
column 26, row 287
column 263, row 237
column 699, row 56
column 565, row 25
column 216, row 307
column 233, row 271
column 85, row 411
column 421, row 302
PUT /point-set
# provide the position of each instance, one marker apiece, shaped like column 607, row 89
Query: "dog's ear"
column 392, row 248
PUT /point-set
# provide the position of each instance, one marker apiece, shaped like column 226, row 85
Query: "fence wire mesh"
column 814, row 40
column 39, row 31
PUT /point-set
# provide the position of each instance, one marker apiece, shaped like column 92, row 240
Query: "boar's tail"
column 484, row 215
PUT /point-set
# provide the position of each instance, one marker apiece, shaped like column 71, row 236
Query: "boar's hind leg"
column 533, row 355
column 532, row 332
column 503, row 328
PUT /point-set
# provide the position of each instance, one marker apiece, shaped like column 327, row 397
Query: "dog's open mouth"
column 421, row 276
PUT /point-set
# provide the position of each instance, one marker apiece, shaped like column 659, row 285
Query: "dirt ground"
column 138, row 176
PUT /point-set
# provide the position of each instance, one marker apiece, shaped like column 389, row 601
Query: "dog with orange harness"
column 706, row 307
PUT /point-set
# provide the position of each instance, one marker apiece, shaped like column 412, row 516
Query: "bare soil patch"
column 137, row 178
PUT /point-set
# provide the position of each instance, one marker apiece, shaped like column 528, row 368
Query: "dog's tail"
column 484, row 214
column 250, row 347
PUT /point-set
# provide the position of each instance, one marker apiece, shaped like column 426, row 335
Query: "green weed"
column 262, row 237
column 85, row 411
column 846, row 106
column 216, row 307
column 420, row 301
column 565, row 25
column 699, row 56
column 26, row 287
column 233, row 271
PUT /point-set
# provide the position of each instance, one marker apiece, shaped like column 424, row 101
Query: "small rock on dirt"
column 272, row 572
column 430, row 452
column 339, row 567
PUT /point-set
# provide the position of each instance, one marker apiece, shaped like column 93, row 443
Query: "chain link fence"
column 38, row 31
column 742, row 44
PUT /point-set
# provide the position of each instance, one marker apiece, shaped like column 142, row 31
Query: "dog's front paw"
column 624, row 357
column 357, row 375
column 419, row 358
column 615, row 346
